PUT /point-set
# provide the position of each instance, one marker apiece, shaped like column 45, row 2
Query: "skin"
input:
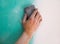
column 30, row 26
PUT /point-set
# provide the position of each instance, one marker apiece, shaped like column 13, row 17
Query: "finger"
column 40, row 19
column 25, row 17
column 34, row 13
column 37, row 16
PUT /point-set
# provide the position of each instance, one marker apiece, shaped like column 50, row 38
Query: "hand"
column 32, row 23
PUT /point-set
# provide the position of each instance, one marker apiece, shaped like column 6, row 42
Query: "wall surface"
column 49, row 30
column 11, row 15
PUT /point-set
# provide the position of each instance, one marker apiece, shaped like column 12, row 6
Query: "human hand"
column 32, row 23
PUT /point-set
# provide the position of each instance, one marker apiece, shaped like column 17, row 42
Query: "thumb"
column 25, row 17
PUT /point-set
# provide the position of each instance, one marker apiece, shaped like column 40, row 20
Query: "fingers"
column 34, row 13
column 35, row 16
column 38, row 18
column 25, row 17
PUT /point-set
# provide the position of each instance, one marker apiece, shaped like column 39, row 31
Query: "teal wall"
column 11, row 15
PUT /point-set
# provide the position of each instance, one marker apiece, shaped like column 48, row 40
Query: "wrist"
column 29, row 35
column 25, row 38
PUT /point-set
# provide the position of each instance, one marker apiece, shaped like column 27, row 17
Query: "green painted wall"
column 11, row 15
